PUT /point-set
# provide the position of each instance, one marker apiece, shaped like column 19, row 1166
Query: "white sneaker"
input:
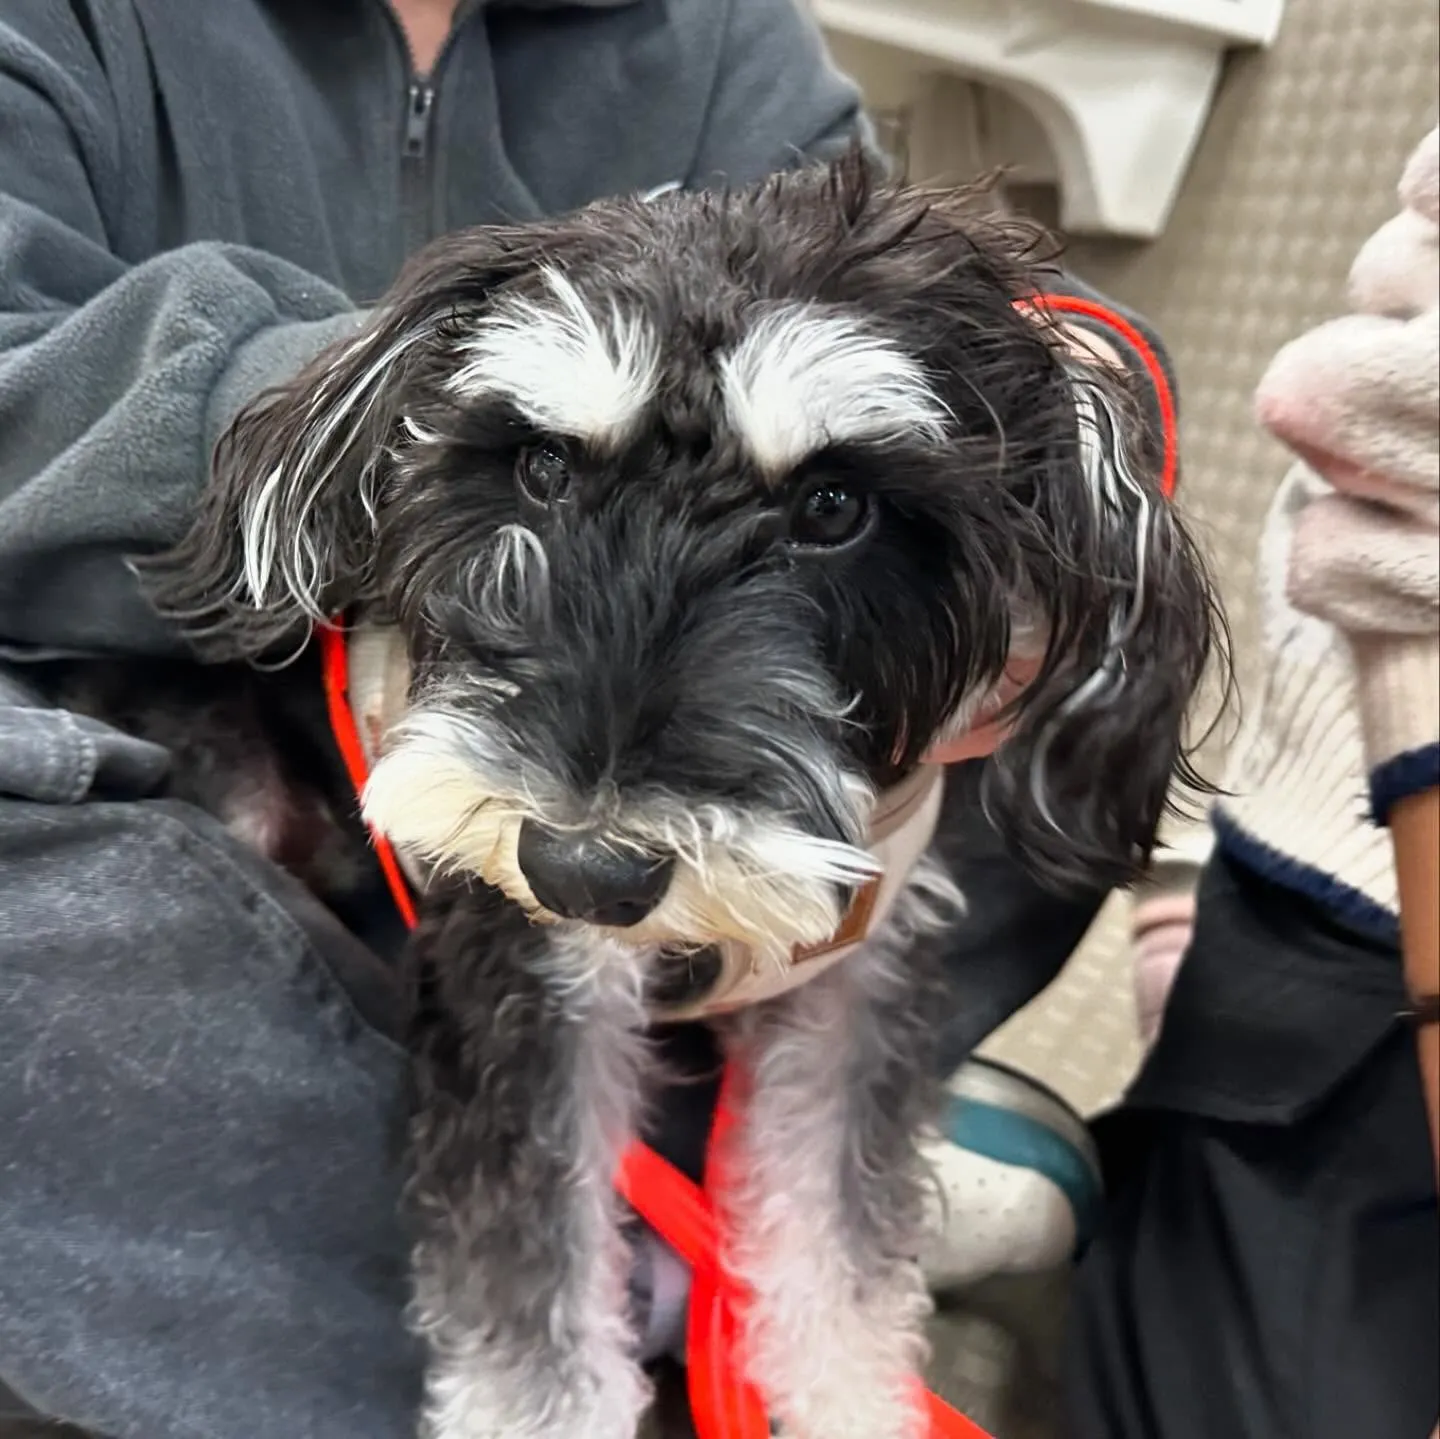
column 1018, row 1179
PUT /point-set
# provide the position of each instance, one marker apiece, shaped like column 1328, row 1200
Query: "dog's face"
column 703, row 519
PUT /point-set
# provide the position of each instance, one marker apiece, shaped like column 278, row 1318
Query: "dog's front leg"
column 528, row 1044
column 828, row 1203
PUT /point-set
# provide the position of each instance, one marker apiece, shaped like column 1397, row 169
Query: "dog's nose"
column 579, row 876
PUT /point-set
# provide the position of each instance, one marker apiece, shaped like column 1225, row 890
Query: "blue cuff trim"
column 1009, row 1137
column 1357, row 910
column 1413, row 772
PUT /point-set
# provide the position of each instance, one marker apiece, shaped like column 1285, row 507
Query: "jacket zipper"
column 415, row 162
column 416, row 183
column 417, row 120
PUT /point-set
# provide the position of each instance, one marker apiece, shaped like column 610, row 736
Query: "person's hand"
column 1358, row 399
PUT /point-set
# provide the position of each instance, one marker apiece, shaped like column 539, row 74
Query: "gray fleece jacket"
column 196, row 197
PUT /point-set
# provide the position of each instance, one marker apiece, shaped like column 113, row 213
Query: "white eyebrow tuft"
column 802, row 379
column 567, row 369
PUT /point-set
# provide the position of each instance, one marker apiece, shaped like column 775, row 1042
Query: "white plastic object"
column 1121, row 87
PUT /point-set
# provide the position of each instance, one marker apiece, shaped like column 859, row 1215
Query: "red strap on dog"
column 1165, row 398
column 723, row 1403
column 335, row 666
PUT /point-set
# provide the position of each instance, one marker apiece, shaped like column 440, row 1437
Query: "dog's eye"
column 543, row 472
column 828, row 514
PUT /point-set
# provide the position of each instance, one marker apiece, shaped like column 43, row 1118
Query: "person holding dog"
column 1269, row 1260
column 199, row 1064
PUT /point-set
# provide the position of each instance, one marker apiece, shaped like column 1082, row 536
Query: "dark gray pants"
column 199, row 1104
column 198, row 1126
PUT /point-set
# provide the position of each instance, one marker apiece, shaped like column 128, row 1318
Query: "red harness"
column 1169, row 429
column 724, row 1404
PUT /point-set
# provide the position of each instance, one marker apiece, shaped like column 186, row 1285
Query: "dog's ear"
column 284, row 536
column 1074, row 549
column 1119, row 594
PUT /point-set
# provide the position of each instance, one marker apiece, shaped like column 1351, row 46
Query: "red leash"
column 723, row 1403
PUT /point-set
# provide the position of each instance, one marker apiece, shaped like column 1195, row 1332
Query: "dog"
column 695, row 521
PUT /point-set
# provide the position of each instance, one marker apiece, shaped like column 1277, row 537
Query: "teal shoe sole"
column 1001, row 1114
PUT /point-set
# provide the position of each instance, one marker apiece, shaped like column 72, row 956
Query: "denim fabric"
column 198, row 1118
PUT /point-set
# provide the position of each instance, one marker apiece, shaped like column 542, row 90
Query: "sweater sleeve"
column 115, row 378
column 1359, row 400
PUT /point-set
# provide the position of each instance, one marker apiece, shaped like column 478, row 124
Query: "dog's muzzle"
column 578, row 876
column 725, row 977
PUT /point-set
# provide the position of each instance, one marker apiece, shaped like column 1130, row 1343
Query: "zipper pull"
column 421, row 101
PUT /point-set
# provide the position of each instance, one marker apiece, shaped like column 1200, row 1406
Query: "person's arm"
column 1359, row 400
column 115, row 378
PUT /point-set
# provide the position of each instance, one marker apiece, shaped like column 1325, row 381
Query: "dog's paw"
column 842, row 1368
column 839, row 1357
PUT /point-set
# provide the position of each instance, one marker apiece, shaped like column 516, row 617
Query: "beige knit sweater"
column 1347, row 718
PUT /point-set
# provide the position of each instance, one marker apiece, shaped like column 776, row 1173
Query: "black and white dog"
column 696, row 522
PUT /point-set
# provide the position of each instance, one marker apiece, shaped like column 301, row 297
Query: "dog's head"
column 703, row 518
